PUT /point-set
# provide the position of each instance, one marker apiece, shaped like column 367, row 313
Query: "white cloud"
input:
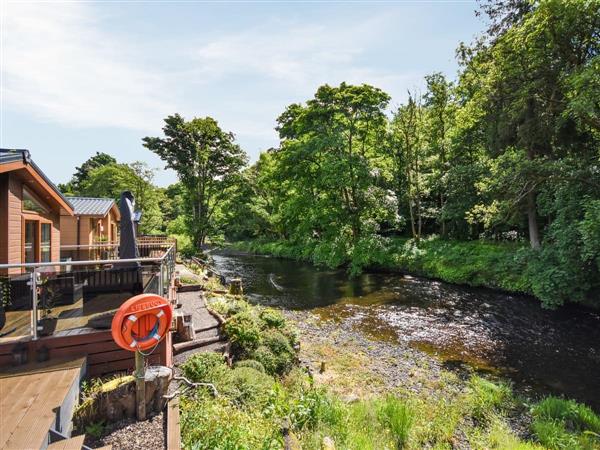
column 62, row 64
column 58, row 65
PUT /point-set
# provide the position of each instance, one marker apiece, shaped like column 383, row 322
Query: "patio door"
column 31, row 241
column 37, row 241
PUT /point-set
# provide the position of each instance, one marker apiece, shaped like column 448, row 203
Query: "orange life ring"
column 141, row 322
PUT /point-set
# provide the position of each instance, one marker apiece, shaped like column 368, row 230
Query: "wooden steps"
column 34, row 401
column 74, row 443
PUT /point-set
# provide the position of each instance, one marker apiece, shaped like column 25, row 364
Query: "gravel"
column 132, row 435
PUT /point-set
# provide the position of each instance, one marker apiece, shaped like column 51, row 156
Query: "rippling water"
column 553, row 351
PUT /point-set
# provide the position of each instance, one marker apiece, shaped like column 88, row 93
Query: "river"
column 512, row 336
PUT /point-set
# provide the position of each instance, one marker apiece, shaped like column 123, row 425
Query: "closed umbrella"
column 128, row 245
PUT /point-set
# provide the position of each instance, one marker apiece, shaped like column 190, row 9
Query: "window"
column 30, row 203
column 46, row 232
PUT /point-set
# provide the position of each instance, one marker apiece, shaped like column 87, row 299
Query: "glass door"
column 30, row 243
column 45, row 242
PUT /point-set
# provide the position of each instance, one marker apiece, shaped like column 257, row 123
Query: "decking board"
column 29, row 405
column 73, row 443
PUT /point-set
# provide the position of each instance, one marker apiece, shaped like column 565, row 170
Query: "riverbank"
column 346, row 391
column 500, row 266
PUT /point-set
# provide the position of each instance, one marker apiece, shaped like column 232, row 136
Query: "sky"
column 88, row 76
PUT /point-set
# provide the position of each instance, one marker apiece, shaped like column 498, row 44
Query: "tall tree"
column 82, row 172
column 328, row 148
column 408, row 159
column 112, row 179
column 439, row 117
column 207, row 161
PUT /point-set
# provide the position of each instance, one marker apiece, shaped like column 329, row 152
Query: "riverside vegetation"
column 266, row 398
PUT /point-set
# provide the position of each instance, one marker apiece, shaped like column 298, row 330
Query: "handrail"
column 85, row 263
column 139, row 244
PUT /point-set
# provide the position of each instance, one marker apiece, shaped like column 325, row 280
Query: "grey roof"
column 8, row 155
column 89, row 206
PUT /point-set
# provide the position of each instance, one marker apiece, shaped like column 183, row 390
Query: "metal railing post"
column 161, row 281
column 34, row 306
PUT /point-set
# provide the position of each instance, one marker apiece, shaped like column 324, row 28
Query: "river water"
column 552, row 351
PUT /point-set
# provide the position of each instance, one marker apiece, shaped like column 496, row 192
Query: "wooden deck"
column 32, row 401
column 70, row 317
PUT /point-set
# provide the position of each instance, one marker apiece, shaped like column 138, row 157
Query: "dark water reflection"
column 554, row 351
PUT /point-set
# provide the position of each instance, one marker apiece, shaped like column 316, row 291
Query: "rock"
column 327, row 444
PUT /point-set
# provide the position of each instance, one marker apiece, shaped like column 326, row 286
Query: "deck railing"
column 62, row 297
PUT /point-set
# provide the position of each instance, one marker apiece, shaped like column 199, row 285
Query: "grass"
column 565, row 424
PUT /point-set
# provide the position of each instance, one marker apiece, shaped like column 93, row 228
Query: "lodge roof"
column 90, row 206
column 18, row 159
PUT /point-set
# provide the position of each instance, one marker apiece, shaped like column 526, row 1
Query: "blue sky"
column 81, row 77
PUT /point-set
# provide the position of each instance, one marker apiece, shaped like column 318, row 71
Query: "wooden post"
column 140, row 386
column 235, row 287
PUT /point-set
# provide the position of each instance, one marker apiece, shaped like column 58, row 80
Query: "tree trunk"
column 534, row 234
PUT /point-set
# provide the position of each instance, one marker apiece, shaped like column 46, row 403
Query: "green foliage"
column 82, row 172
column 211, row 424
column 250, row 363
column 486, row 398
column 243, row 329
column 565, row 424
column 272, row 318
column 398, row 417
column 207, row 161
column 205, row 368
column 252, row 386
column 95, row 429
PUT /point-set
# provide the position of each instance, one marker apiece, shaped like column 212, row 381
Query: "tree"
column 326, row 163
column 82, row 172
column 112, row 179
column 439, row 117
column 530, row 71
column 207, row 161
column 408, row 155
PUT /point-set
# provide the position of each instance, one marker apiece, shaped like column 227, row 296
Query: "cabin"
column 93, row 225
column 31, row 207
column 57, row 304
column 94, row 221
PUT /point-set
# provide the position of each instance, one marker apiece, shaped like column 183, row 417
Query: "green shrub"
column 252, row 387
column 250, row 363
column 565, row 424
column 219, row 424
column 205, row 368
column 275, row 354
column 398, row 418
column 244, row 331
column 315, row 407
column 272, row 318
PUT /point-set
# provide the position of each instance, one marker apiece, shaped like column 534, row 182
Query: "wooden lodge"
column 57, row 297
column 31, row 207
column 94, row 224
